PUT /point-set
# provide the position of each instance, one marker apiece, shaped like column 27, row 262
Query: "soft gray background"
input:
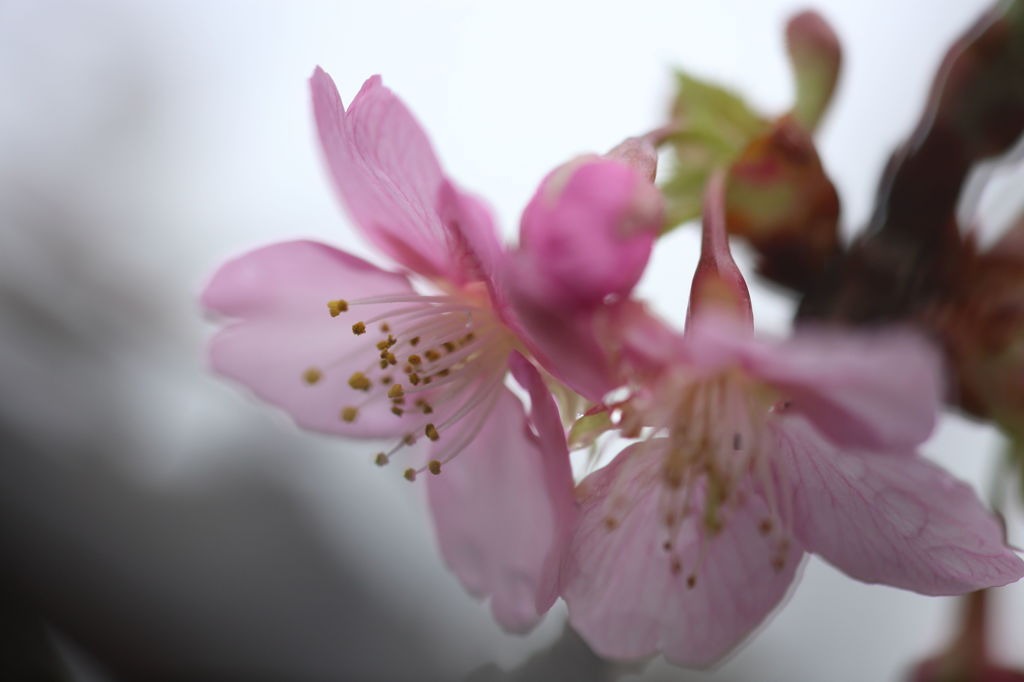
column 162, row 520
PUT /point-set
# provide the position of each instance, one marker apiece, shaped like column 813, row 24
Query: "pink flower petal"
column 387, row 174
column 590, row 351
column 626, row 598
column 570, row 346
column 504, row 506
column 647, row 344
column 473, row 240
column 278, row 296
column 879, row 390
column 901, row 521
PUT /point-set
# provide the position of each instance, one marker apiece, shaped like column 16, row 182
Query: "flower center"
column 438, row 360
column 709, row 434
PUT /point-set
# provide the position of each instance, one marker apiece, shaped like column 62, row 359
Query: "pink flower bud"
column 589, row 229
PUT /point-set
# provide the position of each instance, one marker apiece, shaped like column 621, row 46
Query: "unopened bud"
column 816, row 56
column 588, row 232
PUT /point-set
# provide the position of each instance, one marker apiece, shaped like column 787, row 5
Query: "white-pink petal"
column 901, row 521
column 878, row 390
column 276, row 298
column 504, row 506
column 473, row 244
column 387, row 175
column 626, row 596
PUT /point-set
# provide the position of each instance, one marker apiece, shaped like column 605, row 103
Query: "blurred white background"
column 158, row 516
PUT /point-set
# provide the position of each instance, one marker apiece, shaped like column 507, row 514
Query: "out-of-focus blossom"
column 348, row 348
column 911, row 259
column 915, row 262
column 966, row 658
column 752, row 453
column 782, row 203
column 714, row 128
column 945, row 671
column 982, row 325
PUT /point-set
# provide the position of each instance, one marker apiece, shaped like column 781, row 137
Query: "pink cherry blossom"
column 754, row 453
column 348, row 348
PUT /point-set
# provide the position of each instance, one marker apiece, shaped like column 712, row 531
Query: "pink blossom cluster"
column 743, row 456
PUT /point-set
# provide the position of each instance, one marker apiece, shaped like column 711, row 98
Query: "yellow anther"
column 392, row 360
column 396, row 391
column 415, row 360
column 449, row 346
column 434, row 466
column 432, row 355
column 407, row 368
column 312, row 375
column 359, row 328
column 408, row 439
column 397, row 411
column 427, row 380
column 424, row 405
column 359, row 382
column 444, row 373
column 410, row 474
column 427, row 409
column 337, row 307
column 385, row 327
column 431, row 432
column 385, row 380
column 467, row 339
column 349, row 414
column 414, row 378
column 383, row 345
column 381, row 459
column 414, row 341
column 383, row 364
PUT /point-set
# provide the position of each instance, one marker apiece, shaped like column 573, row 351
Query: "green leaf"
column 713, row 126
column 702, row 105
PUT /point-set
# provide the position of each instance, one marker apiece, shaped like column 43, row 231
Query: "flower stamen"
column 451, row 350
